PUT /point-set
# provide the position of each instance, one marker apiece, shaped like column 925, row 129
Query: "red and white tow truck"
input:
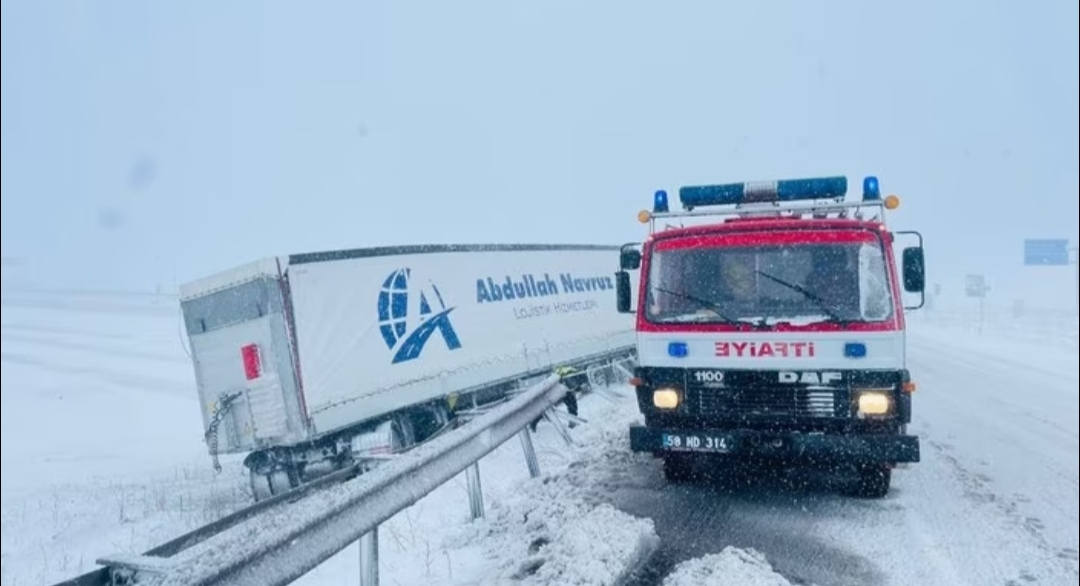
column 774, row 329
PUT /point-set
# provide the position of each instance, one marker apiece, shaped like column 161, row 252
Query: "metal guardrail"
column 278, row 540
column 104, row 576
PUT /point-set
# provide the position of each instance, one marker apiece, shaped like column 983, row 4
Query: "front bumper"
column 868, row 448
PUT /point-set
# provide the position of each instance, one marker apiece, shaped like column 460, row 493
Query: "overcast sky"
column 149, row 143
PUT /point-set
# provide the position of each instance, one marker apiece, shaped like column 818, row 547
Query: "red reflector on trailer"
column 252, row 364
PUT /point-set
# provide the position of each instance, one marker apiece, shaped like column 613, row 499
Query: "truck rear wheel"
column 873, row 481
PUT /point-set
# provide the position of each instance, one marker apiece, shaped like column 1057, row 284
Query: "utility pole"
column 976, row 287
column 982, row 308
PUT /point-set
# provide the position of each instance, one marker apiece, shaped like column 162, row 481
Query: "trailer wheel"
column 269, row 475
column 264, row 486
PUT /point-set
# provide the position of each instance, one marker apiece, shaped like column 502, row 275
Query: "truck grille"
column 773, row 402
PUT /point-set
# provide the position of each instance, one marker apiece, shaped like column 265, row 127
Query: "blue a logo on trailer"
column 410, row 313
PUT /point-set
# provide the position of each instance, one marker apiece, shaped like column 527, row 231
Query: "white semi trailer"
column 310, row 362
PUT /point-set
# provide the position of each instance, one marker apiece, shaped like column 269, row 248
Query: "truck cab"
column 773, row 328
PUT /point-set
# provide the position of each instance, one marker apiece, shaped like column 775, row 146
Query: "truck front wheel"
column 873, row 481
column 678, row 468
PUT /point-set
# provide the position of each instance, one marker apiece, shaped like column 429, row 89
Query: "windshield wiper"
column 833, row 316
column 711, row 305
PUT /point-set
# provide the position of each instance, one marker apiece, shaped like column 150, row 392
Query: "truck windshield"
column 800, row 284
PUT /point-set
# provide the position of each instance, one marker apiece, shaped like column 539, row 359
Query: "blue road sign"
column 1044, row 252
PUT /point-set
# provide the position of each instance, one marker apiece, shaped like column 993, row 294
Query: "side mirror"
column 622, row 292
column 914, row 270
column 629, row 258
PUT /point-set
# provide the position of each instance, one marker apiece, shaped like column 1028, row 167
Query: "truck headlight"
column 665, row 398
column 875, row 402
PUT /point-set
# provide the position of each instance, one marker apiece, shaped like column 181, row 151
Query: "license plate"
column 696, row 442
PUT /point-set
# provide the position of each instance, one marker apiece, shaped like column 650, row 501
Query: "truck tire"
column 678, row 468
column 873, row 482
column 269, row 474
column 278, row 481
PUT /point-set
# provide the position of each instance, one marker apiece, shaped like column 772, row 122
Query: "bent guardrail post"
column 530, row 453
column 620, row 366
column 476, row 492
column 556, row 422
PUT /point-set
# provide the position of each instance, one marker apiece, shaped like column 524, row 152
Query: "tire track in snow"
column 777, row 514
column 978, row 488
column 934, row 551
column 979, row 413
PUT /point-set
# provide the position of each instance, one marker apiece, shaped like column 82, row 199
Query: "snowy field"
column 102, row 453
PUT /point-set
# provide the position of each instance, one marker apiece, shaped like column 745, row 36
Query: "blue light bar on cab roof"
column 660, row 202
column 763, row 192
column 871, row 189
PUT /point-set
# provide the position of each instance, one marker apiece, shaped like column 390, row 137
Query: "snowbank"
column 550, row 536
column 730, row 567
column 554, row 530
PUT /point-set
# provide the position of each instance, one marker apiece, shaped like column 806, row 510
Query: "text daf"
column 811, row 378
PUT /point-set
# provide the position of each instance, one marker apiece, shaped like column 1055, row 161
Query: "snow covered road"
column 994, row 501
